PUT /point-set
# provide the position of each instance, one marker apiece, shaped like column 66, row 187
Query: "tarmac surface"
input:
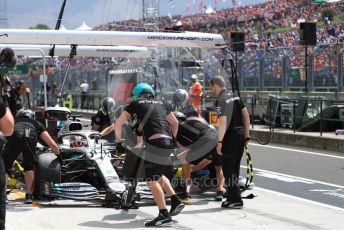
column 296, row 188
column 268, row 210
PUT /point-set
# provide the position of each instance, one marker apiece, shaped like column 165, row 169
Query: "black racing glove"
column 120, row 148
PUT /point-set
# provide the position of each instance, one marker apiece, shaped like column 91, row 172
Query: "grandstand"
column 273, row 59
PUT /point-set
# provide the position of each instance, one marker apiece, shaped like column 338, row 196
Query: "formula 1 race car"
column 85, row 169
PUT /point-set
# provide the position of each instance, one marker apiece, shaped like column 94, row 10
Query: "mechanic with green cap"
column 159, row 128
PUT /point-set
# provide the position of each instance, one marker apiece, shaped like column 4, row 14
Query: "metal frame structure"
column 86, row 51
column 83, row 51
column 150, row 13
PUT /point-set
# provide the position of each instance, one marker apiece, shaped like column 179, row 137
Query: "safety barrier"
column 283, row 68
column 307, row 113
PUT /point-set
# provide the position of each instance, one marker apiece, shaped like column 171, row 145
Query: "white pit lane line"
column 297, row 150
column 299, row 179
column 301, row 199
column 294, row 177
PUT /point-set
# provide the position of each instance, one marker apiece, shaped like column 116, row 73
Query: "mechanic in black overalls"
column 24, row 140
column 6, row 128
column 233, row 133
column 104, row 118
column 200, row 140
column 156, row 124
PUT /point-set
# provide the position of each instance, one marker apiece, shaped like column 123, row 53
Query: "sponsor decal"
column 232, row 99
column 150, row 102
column 180, row 38
column 117, row 51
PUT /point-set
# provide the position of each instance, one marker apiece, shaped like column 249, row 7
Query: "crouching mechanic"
column 24, row 140
column 104, row 118
column 156, row 124
column 199, row 139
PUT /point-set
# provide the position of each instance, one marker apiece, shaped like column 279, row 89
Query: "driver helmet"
column 26, row 113
column 180, row 98
column 142, row 89
column 108, row 106
column 77, row 142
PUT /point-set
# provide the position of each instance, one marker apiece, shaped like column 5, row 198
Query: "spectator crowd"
column 271, row 25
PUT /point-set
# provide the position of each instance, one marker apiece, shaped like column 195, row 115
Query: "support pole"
column 306, row 69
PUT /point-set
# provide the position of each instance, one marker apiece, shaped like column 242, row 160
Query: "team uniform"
column 233, row 143
column 24, row 140
column 103, row 121
column 154, row 120
column 196, row 134
column 150, row 114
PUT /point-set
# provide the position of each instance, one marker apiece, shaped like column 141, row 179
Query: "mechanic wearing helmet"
column 6, row 129
column 24, row 140
column 199, row 138
column 104, row 118
column 233, row 132
column 156, row 123
column 180, row 101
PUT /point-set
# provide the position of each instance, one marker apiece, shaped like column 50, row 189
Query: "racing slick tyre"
column 48, row 169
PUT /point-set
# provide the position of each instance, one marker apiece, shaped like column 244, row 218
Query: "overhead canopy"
column 111, row 38
column 82, row 51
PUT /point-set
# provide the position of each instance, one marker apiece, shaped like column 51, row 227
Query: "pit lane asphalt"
column 296, row 188
column 306, row 173
column 269, row 210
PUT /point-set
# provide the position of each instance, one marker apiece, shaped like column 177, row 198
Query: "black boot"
column 176, row 205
